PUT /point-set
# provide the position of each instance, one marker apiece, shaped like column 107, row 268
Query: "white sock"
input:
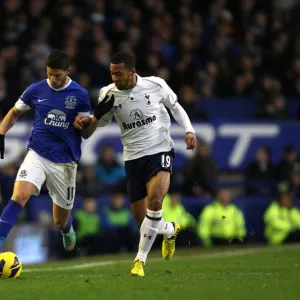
column 148, row 233
column 166, row 228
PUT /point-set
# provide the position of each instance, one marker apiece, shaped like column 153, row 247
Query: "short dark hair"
column 124, row 58
column 58, row 60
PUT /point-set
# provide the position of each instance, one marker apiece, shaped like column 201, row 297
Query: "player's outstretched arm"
column 183, row 120
column 7, row 123
column 179, row 114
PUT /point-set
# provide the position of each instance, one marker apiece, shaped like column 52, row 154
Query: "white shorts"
column 60, row 178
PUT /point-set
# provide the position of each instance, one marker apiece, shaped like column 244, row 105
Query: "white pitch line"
column 73, row 267
column 217, row 255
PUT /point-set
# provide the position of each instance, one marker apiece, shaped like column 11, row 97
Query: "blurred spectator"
column 292, row 74
column 174, row 211
column 119, row 223
column 221, row 222
column 282, row 218
column 109, row 172
column 267, row 87
column 289, row 164
column 260, row 173
column 276, row 109
column 87, row 225
column 188, row 100
column 201, row 171
column 295, row 91
column 289, row 169
column 87, row 182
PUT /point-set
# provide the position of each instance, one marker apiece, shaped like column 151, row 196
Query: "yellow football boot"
column 168, row 245
column 138, row 269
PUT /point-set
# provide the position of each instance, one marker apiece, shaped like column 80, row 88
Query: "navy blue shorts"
column 140, row 170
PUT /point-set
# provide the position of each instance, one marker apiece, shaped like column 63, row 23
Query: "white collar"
column 138, row 80
column 63, row 87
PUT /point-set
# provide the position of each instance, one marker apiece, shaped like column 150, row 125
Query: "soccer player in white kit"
column 54, row 145
column 138, row 105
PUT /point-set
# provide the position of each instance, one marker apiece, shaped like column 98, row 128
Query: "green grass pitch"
column 239, row 273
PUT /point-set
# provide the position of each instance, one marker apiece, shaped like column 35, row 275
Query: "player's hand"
column 190, row 140
column 104, row 106
column 2, row 145
column 81, row 122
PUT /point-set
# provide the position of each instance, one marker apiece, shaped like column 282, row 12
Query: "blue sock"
column 68, row 226
column 8, row 219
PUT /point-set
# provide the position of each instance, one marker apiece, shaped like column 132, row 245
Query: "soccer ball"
column 10, row 265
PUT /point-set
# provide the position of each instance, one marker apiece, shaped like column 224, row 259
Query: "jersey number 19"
column 165, row 161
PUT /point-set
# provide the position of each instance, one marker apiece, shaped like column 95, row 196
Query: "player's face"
column 121, row 76
column 57, row 77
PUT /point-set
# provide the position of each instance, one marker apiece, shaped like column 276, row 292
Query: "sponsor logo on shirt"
column 57, row 118
column 140, row 121
column 136, row 114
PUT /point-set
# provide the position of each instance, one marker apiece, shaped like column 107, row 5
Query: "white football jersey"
column 142, row 117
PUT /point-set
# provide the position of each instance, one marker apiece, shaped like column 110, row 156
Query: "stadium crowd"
column 249, row 50
column 203, row 49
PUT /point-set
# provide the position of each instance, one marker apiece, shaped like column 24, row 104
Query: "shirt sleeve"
column 24, row 103
column 85, row 107
column 106, row 119
column 179, row 114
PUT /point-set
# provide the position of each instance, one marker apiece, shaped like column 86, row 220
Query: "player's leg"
column 21, row 194
column 61, row 179
column 139, row 210
column 29, row 180
column 153, row 223
column 158, row 174
column 157, row 188
column 136, row 189
column 63, row 220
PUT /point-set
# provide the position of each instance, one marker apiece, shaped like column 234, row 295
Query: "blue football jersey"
column 54, row 136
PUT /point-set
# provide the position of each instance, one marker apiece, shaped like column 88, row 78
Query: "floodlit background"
column 235, row 66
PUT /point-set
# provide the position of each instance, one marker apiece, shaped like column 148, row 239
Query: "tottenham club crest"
column 70, row 102
column 148, row 99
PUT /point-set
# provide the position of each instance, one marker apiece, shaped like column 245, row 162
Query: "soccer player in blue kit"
column 54, row 147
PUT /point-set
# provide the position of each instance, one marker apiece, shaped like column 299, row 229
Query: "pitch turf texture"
column 239, row 273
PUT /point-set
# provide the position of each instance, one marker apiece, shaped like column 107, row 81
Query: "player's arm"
column 181, row 117
column 8, row 122
column 102, row 117
column 86, row 127
column 21, row 106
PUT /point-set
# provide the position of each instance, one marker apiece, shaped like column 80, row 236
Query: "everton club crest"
column 70, row 102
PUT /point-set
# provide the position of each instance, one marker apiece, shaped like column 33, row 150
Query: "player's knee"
column 21, row 197
column 155, row 201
